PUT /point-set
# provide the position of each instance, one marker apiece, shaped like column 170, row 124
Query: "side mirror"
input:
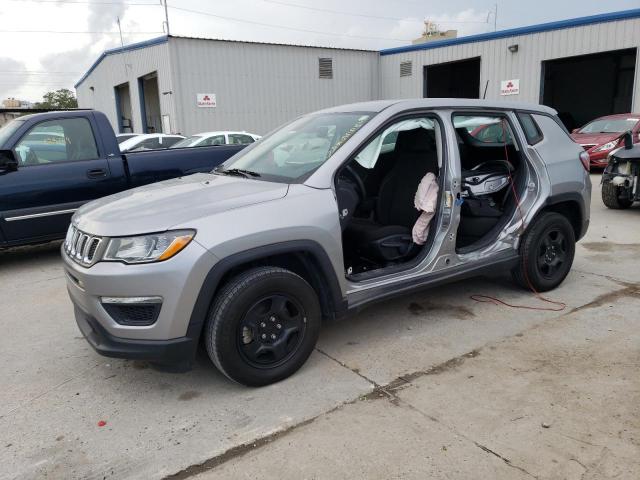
column 8, row 161
column 628, row 140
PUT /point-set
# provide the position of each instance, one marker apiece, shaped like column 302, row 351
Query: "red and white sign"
column 510, row 87
column 206, row 100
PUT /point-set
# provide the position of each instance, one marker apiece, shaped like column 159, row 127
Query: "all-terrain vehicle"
column 621, row 177
column 334, row 211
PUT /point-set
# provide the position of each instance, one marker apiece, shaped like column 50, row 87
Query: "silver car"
column 315, row 221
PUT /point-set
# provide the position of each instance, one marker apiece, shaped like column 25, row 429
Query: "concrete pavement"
column 455, row 414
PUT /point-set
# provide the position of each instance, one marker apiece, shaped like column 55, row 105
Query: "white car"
column 217, row 138
column 149, row 141
column 121, row 137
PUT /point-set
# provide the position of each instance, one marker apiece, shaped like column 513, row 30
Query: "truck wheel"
column 611, row 197
column 546, row 253
column 263, row 326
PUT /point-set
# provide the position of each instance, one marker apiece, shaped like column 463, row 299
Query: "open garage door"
column 589, row 86
column 459, row 79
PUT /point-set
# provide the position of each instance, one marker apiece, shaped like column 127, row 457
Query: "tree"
column 63, row 98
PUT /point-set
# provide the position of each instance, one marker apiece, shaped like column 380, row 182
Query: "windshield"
column 610, row 125
column 294, row 151
column 187, row 142
column 8, row 129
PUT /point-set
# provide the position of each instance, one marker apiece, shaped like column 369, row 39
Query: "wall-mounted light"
column 167, row 93
column 513, row 48
column 91, row 88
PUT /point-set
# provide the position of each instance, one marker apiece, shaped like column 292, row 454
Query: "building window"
column 406, row 68
column 325, row 66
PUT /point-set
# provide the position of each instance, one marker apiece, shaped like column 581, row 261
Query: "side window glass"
column 62, row 140
column 401, row 136
column 239, row 139
column 485, row 129
column 530, row 127
column 215, row 140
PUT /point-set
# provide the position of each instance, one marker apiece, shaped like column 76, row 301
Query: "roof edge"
column 126, row 48
column 513, row 32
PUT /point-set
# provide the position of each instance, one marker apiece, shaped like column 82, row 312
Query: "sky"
column 48, row 44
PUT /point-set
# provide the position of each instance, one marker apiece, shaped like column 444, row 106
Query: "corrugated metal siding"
column 122, row 67
column 497, row 63
column 259, row 87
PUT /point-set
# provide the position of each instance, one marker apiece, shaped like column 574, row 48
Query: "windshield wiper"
column 239, row 172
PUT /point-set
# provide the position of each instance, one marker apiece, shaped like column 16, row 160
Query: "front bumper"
column 172, row 337
column 178, row 351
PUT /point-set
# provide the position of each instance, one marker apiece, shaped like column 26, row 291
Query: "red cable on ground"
column 496, row 301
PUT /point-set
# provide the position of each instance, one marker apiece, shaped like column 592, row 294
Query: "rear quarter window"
column 531, row 130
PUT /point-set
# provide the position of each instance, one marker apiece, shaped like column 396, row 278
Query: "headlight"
column 607, row 146
column 154, row 247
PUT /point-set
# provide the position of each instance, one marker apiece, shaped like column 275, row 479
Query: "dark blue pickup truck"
column 51, row 163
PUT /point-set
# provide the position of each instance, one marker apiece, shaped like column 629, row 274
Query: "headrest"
column 418, row 140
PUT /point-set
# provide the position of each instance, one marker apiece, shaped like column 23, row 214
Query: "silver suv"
column 315, row 221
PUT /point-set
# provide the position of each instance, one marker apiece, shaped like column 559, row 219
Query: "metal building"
column 584, row 68
column 189, row 85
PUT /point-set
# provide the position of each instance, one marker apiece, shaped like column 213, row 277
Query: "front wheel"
column 611, row 197
column 263, row 326
column 546, row 253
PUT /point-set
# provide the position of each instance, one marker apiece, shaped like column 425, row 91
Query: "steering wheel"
column 357, row 180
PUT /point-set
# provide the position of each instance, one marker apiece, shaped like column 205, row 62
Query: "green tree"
column 63, row 98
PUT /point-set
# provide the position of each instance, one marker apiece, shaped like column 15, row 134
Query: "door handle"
column 97, row 173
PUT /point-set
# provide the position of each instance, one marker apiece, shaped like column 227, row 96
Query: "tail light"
column 584, row 159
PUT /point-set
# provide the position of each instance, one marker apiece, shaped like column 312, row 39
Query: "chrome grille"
column 82, row 247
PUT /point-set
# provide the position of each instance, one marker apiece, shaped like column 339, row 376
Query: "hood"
column 594, row 138
column 160, row 206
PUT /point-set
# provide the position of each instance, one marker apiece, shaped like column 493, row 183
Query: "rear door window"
column 215, row 140
column 60, row 140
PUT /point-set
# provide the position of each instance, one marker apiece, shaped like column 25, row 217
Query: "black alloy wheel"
column 263, row 325
column 271, row 331
column 547, row 249
column 552, row 253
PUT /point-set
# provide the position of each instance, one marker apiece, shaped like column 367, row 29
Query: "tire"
column 541, row 266
column 263, row 325
column 611, row 197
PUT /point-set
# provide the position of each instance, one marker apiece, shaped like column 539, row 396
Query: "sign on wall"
column 206, row 100
column 510, row 87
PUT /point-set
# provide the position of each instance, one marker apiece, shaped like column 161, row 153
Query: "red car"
column 603, row 134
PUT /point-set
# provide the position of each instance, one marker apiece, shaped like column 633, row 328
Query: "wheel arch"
column 570, row 205
column 303, row 257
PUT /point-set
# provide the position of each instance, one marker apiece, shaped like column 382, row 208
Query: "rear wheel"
column 611, row 197
column 263, row 326
column 546, row 253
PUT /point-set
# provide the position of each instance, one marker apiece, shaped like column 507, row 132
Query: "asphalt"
column 432, row 385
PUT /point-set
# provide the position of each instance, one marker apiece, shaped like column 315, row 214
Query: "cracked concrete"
column 432, row 385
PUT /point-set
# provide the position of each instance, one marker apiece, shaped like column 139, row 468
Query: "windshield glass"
column 611, row 125
column 187, row 142
column 294, row 151
column 8, row 129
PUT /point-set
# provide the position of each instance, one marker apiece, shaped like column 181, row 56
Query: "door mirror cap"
column 8, row 161
column 628, row 140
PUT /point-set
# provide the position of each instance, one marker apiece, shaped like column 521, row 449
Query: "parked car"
column 121, row 137
column 251, row 258
column 217, row 138
column 621, row 177
column 602, row 135
column 51, row 163
column 149, row 141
